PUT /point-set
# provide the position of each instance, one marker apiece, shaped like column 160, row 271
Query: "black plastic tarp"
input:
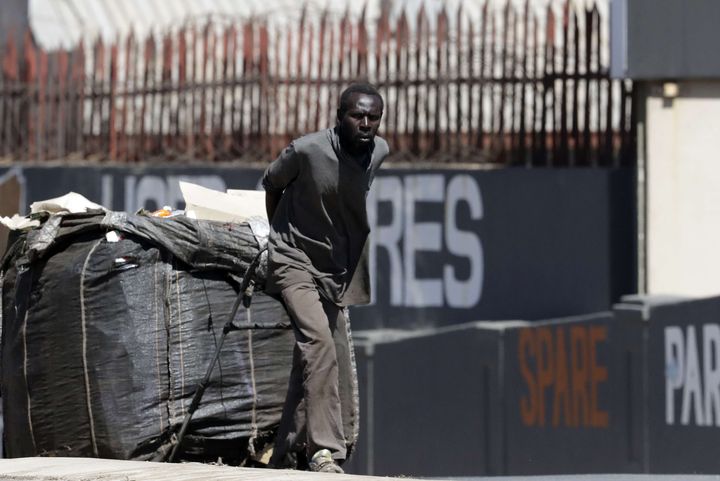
column 109, row 322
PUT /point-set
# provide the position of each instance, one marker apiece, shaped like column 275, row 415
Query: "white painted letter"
column 463, row 244
column 150, row 188
column 692, row 391
column 674, row 368
column 130, row 181
column 388, row 236
column 422, row 236
column 711, row 373
column 106, row 191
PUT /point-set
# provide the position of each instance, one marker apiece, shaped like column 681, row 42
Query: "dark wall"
column 429, row 402
column 540, row 243
column 635, row 390
column 572, row 398
column 684, row 382
column 665, row 39
column 499, row 398
column 450, row 246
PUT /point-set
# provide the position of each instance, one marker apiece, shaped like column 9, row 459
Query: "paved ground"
column 596, row 477
column 86, row 469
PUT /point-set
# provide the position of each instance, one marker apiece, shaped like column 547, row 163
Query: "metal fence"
column 497, row 85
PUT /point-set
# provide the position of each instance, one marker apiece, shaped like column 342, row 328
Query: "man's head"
column 358, row 116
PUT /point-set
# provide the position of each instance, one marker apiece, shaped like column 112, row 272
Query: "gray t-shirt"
column 320, row 229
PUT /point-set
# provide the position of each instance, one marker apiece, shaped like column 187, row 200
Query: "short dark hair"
column 357, row 88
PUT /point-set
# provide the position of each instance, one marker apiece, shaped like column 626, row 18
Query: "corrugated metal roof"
column 62, row 23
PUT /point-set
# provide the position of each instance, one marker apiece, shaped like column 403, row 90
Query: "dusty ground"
column 86, row 469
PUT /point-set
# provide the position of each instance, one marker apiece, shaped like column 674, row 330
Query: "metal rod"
column 200, row 390
column 244, row 297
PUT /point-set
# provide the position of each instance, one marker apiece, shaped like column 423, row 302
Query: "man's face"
column 359, row 124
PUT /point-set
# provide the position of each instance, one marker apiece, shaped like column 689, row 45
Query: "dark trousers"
column 321, row 381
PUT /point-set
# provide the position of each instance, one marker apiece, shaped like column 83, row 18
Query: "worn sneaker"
column 323, row 462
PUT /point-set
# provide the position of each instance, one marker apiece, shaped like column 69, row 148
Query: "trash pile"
column 109, row 321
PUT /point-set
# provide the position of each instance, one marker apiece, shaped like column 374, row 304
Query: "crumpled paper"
column 18, row 222
column 71, row 202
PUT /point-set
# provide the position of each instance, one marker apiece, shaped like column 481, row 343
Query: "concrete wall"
column 683, row 196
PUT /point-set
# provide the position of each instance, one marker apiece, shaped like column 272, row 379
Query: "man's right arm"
column 279, row 174
column 272, row 199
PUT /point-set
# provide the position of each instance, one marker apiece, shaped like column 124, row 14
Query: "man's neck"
column 360, row 156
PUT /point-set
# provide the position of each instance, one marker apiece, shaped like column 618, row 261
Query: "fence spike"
column 191, row 123
column 146, row 98
column 288, row 75
column 344, row 23
column 333, row 75
column 514, row 55
column 275, row 140
column 320, row 68
column 211, row 65
column 30, row 56
column 480, row 142
column 30, row 77
column 10, row 58
column 472, row 76
column 504, row 59
column 112, row 130
column 299, row 68
column 522, row 137
column 78, row 87
column 440, row 86
column 122, row 152
column 420, row 43
column 307, row 88
column 361, row 45
column 550, row 25
column 535, row 88
column 363, row 12
column 493, row 121
column 42, row 100
column 402, row 56
column 232, row 80
column 575, row 99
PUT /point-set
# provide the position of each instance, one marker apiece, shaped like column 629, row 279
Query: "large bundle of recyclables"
column 110, row 319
